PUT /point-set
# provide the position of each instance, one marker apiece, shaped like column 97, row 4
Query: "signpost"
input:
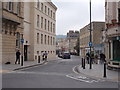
column 22, row 41
column 90, row 44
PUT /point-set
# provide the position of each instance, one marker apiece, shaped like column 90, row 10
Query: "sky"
column 75, row 14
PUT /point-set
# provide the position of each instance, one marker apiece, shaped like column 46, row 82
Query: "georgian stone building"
column 39, row 29
column 12, row 30
column 97, row 45
column 112, row 33
column 72, row 37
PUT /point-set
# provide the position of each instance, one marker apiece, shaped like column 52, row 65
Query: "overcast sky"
column 74, row 14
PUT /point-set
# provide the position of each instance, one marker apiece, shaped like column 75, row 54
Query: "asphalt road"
column 54, row 74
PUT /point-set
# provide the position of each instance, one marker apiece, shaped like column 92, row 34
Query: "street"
column 53, row 74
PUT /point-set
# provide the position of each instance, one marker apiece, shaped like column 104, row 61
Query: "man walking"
column 45, row 55
column 87, row 56
column 102, row 58
column 18, row 57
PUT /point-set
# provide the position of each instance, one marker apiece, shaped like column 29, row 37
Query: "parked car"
column 66, row 55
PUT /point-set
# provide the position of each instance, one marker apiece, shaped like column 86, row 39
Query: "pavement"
column 97, row 71
column 4, row 68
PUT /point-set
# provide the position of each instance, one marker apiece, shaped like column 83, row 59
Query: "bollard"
column 38, row 59
column 104, row 70
column 83, row 63
column 22, row 60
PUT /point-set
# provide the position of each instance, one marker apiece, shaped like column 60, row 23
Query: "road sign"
column 118, row 38
column 22, row 41
column 90, row 44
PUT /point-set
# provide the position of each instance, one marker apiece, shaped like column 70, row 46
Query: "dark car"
column 66, row 55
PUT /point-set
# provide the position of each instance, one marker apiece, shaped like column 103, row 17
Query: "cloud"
column 75, row 15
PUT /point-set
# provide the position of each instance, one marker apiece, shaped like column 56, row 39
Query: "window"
column 41, row 6
column 18, row 40
column 37, row 52
column 51, row 13
column 48, row 11
column 54, row 15
column 119, row 15
column 51, row 40
column 45, row 9
column 51, row 26
column 18, row 7
column 35, row 57
column 41, row 22
column 48, row 25
column 45, row 39
column 41, row 38
column 45, row 23
column 37, row 38
column 37, row 20
column 38, row 4
column 48, row 40
column 10, row 6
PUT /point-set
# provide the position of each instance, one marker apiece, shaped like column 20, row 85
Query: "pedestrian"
column 87, row 56
column 102, row 58
column 18, row 57
column 42, row 54
column 96, row 59
column 45, row 55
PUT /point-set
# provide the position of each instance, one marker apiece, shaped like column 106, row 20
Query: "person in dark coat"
column 18, row 57
column 88, row 57
column 102, row 58
column 45, row 55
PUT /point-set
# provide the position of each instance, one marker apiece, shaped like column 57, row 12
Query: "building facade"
column 39, row 29
column 112, row 33
column 12, row 30
column 62, row 45
column 97, row 45
column 72, row 37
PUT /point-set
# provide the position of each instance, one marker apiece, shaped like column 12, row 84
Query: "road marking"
column 74, row 70
column 81, row 79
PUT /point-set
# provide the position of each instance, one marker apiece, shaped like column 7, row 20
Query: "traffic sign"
column 118, row 38
column 22, row 41
column 90, row 44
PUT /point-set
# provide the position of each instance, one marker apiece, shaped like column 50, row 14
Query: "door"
column 116, row 50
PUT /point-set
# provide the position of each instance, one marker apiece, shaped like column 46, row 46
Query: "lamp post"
column 22, row 41
column 90, row 38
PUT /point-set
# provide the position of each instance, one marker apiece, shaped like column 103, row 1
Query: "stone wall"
column 8, row 48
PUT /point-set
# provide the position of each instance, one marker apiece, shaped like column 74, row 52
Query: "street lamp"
column 90, row 43
column 22, row 41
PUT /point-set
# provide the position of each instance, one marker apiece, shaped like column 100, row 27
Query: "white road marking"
column 81, row 79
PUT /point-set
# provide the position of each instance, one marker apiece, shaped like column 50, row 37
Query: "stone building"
column 12, row 30
column 112, row 33
column 97, row 45
column 39, row 29
column 62, row 45
column 72, row 37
